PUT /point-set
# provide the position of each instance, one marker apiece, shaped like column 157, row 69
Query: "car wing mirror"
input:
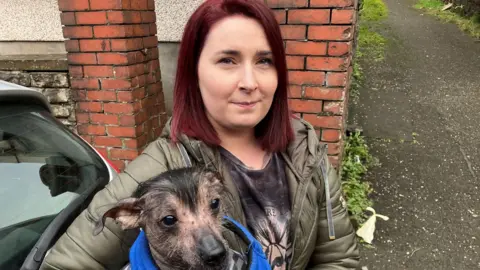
column 60, row 174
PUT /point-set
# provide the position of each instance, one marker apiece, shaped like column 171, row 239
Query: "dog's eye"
column 214, row 204
column 169, row 220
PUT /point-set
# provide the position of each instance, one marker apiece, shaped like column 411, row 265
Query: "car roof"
column 18, row 94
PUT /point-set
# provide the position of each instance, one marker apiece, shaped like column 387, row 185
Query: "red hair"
column 274, row 132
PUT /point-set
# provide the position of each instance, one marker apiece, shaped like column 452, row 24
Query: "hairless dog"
column 180, row 213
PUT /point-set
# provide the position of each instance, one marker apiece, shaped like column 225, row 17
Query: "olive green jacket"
column 312, row 247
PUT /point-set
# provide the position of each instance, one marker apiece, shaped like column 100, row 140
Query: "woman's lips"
column 246, row 105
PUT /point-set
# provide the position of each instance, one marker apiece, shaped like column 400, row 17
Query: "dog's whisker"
column 173, row 250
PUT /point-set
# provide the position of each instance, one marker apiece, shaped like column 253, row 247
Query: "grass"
column 373, row 10
column 371, row 45
column 469, row 25
column 429, row 4
column 355, row 164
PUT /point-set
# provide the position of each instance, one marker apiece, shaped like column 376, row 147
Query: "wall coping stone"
column 34, row 62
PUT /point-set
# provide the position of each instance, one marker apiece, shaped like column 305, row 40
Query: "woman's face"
column 237, row 76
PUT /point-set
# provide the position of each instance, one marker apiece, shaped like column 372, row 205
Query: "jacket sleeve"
column 78, row 248
column 343, row 251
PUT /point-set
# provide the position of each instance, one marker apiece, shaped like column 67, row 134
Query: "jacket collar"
column 198, row 150
column 301, row 154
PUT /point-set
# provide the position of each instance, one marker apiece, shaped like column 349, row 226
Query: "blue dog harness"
column 140, row 256
column 254, row 259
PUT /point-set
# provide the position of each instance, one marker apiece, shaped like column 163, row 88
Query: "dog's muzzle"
column 211, row 250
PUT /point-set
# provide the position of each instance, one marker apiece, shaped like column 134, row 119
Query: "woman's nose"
column 248, row 81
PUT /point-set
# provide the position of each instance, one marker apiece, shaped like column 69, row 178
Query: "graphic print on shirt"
column 265, row 200
column 273, row 235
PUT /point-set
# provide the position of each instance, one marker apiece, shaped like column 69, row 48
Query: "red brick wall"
column 318, row 37
column 114, row 73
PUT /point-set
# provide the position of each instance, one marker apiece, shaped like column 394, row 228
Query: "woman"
column 231, row 113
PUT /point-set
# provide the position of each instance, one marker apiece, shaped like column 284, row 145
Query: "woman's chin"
column 246, row 124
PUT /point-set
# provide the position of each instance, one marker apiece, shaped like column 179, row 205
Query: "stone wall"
column 46, row 76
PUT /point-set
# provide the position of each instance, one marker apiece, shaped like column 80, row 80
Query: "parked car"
column 48, row 175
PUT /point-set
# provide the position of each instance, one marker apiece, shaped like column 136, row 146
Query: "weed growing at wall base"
column 357, row 80
column 355, row 164
column 434, row 7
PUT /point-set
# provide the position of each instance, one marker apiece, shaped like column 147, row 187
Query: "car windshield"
column 43, row 168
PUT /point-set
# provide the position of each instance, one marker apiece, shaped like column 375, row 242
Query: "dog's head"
column 180, row 212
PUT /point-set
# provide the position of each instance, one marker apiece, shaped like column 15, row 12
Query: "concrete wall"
column 168, row 54
column 31, row 20
column 172, row 16
column 39, row 20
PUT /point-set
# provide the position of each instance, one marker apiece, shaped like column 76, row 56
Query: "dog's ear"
column 126, row 211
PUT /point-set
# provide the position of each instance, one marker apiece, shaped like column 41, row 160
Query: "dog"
column 180, row 213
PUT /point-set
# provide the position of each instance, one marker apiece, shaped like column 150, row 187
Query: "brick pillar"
column 318, row 36
column 114, row 73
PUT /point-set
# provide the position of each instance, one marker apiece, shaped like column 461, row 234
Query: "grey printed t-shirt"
column 266, row 203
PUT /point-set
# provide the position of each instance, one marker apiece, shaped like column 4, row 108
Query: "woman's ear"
column 126, row 212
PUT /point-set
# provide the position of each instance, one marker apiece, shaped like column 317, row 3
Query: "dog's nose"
column 210, row 249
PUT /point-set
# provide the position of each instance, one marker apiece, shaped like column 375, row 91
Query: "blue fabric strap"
column 256, row 256
column 140, row 256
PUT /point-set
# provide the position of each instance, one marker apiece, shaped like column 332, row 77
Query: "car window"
column 43, row 167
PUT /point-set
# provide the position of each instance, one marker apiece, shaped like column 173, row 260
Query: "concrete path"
column 428, row 184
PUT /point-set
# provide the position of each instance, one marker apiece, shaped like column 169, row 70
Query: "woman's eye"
column 214, row 204
column 226, row 61
column 169, row 221
column 266, row 61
